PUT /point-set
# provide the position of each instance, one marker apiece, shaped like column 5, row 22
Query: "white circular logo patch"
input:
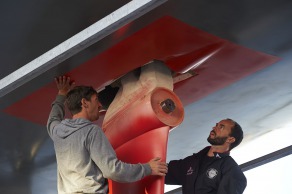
column 211, row 173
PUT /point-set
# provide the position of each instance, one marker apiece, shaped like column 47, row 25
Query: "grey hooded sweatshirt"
column 85, row 158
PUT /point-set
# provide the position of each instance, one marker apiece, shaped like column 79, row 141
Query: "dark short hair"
column 237, row 133
column 75, row 95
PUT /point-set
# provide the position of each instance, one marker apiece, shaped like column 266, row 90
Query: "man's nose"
column 101, row 108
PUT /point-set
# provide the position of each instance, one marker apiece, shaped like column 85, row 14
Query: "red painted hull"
column 177, row 44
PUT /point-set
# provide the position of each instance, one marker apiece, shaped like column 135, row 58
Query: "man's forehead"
column 227, row 122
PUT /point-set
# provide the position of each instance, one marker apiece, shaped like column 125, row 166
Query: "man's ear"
column 230, row 140
column 84, row 103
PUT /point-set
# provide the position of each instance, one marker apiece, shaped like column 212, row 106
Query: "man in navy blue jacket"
column 212, row 170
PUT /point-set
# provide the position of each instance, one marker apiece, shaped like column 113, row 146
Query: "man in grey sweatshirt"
column 85, row 158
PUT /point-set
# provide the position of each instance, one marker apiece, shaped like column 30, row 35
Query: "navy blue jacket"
column 221, row 175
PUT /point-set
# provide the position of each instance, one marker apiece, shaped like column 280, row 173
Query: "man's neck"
column 217, row 149
column 80, row 115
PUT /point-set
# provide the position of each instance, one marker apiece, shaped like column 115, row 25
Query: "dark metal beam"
column 266, row 159
column 77, row 43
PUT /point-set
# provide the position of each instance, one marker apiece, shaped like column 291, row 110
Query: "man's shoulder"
column 230, row 164
column 230, row 160
column 92, row 129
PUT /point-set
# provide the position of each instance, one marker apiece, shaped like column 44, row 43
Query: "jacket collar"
column 216, row 155
column 221, row 155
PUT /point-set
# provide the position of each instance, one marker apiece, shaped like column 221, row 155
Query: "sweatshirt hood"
column 70, row 126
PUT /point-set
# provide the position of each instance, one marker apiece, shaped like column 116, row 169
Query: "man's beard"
column 217, row 140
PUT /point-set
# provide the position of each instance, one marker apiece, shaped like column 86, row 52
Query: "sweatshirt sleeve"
column 57, row 113
column 176, row 171
column 105, row 158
